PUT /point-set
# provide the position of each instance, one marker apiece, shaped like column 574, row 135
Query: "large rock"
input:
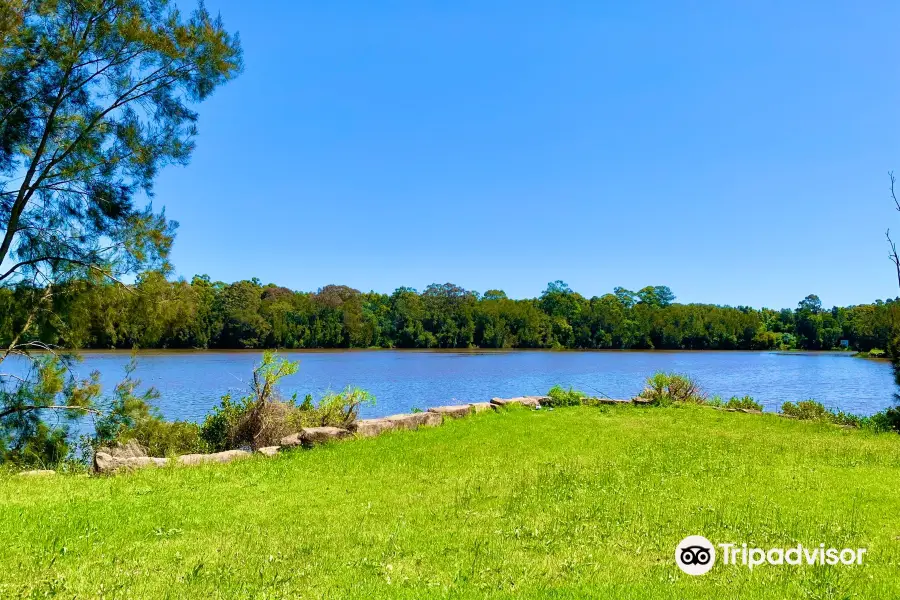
column 454, row 412
column 529, row 401
column 311, row 436
column 478, row 407
column 641, row 401
column 216, row 457
column 107, row 463
column 289, row 441
column 415, row 420
column 372, row 427
column 130, row 449
column 611, row 401
column 269, row 450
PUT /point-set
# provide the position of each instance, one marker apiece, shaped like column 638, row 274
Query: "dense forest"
column 157, row 313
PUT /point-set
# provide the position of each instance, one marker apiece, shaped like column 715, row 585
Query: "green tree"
column 95, row 97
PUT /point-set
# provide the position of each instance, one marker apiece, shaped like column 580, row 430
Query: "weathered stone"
column 611, row 401
column 372, row 427
column 482, row 406
column 38, row 473
column 269, row 450
column 107, row 463
column 529, row 401
column 539, row 399
column 289, row 441
column 750, row 411
column 415, row 420
column 311, row 436
column 454, row 412
column 216, row 457
column 130, row 449
column 641, row 401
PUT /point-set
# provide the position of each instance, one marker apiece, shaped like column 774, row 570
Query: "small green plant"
column 663, row 389
column 340, row 409
column 886, row 420
column 716, row 400
column 559, row 396
column 416, row 409
column 131, row 416
column 810, row 410
column 167, row 438
column 876, row 353
column 745, row 403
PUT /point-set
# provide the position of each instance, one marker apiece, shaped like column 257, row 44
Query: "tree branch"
column 31, row 407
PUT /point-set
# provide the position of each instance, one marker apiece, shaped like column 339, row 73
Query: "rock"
column 311, row 436
column 130, row 449
column 216, row 457
column 107, row 463
column 372, row 427
column 530, row 401
column 478, row 407
column 750, row 411
column 454, row 412
column 38, row 473
column 269, row 450
column 415, row 420
column 641, row 401
column 292, row 440
column 611, row 401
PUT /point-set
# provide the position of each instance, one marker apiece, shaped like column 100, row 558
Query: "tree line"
column 158, row 313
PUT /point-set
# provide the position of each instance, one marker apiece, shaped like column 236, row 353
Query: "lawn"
column 571, row 503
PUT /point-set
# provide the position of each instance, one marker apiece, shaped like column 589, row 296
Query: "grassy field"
column 580, row 502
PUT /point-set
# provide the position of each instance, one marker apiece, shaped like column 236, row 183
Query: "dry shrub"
column 667, row 388
column 263, row 417
column 264, row 424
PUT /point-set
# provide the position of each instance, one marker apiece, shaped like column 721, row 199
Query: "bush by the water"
column 559, row 396
column 745, row 403
column 264, row 416
column 130, row 416
column 663, row 389
column 810, row 410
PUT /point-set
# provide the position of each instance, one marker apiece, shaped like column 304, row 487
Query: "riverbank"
column 586, row 501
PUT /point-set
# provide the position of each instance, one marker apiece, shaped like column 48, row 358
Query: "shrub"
column 876, row 353
column 666, row 388
column 560, row 396
column 807, row 410
column 886, row 420
column 716, row 400
column 338, row 409
column 746, row 403
column 166, row 438
column 810, row 410
column 263, row 417
column 259, row 419
column 134, row 417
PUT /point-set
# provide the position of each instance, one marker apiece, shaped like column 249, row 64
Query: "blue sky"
column 735, row 151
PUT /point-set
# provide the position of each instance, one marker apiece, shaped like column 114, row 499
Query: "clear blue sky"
column 734, row 151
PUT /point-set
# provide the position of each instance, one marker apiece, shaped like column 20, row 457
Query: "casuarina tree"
column 95, row 97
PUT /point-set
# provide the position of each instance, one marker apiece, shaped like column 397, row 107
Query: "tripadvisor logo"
column 696, row 555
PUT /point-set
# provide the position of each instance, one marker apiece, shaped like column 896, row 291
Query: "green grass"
column 573, row 503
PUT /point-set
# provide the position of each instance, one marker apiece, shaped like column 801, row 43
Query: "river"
column 191, row 383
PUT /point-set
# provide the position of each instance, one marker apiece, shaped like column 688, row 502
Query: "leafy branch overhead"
column 95, row 97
